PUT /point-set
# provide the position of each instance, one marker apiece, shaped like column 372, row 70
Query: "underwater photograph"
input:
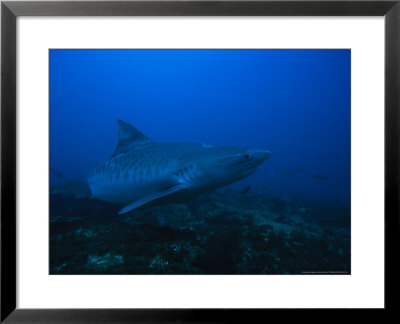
column 200, row 161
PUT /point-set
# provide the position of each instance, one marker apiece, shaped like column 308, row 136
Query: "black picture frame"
column 10, row 10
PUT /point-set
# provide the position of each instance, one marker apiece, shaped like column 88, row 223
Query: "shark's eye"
column 246, row 156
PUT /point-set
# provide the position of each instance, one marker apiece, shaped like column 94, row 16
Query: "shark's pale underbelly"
column 124, row 191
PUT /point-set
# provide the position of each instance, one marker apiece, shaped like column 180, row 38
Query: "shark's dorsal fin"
column 129, row 136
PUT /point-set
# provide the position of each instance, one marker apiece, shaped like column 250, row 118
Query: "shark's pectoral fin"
column 150, row 198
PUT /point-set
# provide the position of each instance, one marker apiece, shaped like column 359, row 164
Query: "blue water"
column 294, row 103
column 292, row 216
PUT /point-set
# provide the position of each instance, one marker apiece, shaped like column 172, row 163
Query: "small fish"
column 287, row 174
column 319, row 177
column 298, row 169
column 244, row 191
column 56, row 173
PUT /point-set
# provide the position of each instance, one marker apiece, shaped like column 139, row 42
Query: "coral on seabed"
column 224, row 232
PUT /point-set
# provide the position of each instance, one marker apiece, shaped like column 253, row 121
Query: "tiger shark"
column 143, row 173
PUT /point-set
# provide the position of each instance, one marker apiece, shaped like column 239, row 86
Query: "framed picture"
column 170, row 160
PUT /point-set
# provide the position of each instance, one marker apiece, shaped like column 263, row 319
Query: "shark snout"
column 255, row 157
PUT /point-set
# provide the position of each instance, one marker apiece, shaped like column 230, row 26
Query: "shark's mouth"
column 252, row 168
column 252, row 165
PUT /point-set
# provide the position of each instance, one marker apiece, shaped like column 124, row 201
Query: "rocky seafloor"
column 224, row 232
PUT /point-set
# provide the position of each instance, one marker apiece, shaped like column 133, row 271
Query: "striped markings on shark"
column 142, row 172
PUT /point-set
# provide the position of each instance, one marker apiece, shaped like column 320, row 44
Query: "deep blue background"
column 295, row 103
